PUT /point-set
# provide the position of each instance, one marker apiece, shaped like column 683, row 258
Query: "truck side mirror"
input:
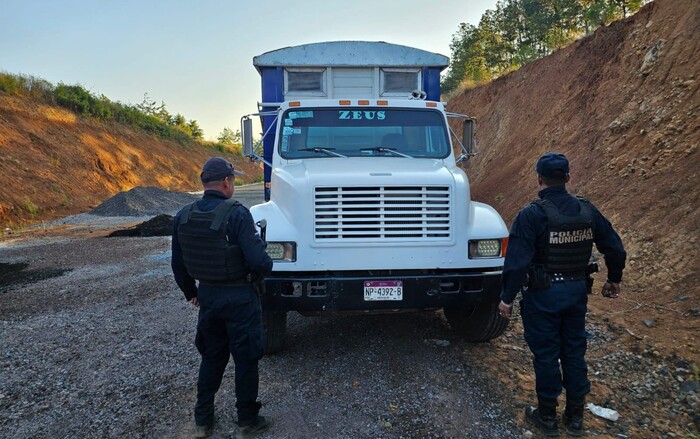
column 247, row 137
column 468, row 131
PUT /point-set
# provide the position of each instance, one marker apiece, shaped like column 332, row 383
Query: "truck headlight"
column 487, row 248
column 282, row 251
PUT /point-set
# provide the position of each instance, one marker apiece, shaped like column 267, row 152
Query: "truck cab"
column 366, row 207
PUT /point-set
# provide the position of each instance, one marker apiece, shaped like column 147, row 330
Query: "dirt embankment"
column 623, row 104
column 55, row 163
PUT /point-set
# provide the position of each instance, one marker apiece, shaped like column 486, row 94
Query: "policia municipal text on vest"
column 569, row 244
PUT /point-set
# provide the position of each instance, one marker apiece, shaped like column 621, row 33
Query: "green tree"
column 195, row 131
column 178, row 121
column 148, row 105
column 520, row 31
column 467, row 58
column 163, row 114
column 229, row 137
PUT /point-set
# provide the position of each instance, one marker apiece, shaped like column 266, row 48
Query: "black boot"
column 544, row 417
column 573, row 416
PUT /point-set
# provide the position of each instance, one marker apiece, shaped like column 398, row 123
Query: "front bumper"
column 344, row 291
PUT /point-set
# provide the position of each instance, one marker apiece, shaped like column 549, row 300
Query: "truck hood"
column 382, row 170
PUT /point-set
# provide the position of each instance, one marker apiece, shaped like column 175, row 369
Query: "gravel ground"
column 105, row 350
column 97, row 342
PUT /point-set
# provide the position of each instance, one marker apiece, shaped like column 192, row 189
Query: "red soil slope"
column 54, row 163
column 623, row 105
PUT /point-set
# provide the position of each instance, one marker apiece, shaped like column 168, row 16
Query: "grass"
column 225, row 148
column 27, row 85
column 29, row 206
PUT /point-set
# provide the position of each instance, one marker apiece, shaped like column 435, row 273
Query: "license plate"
column 383, row 290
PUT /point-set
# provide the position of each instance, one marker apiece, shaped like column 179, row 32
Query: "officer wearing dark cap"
column 215, row 243
column 549, row 249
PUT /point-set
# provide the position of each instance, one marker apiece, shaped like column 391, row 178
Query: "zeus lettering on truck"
column 358, row 115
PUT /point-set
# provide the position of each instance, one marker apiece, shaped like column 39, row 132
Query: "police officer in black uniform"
column 550, row 245
column 215, row 243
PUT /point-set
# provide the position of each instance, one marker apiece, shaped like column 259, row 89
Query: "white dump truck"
column 366, row 208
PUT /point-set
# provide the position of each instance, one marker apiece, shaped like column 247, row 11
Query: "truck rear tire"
column 275, row 324
column 476, row 322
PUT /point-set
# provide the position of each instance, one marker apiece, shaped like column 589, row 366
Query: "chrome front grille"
column 396, row 213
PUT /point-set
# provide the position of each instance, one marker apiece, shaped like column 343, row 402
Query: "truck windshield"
column 365, row 132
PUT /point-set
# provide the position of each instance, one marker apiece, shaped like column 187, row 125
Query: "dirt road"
column 104, row 349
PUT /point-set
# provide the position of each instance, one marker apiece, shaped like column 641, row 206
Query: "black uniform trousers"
column 554, row 320
column 230, row 324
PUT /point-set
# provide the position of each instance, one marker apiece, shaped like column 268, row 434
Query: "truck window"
column 420, row 133
column 305, row 82
column 399, row 82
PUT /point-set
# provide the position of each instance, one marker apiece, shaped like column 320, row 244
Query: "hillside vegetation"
column 517, row 32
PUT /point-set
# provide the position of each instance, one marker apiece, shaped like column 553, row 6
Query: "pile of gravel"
column 144, row 201
column 161, row 225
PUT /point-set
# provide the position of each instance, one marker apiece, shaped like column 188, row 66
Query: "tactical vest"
column 569, row 241
column 206, row 249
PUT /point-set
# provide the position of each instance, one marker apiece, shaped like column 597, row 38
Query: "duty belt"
column 241, row 281
column 561, row 277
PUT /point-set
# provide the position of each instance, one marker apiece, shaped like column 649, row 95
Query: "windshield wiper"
column 389, row 150
column 328, row 151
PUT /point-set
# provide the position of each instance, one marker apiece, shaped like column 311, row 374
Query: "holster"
column 203, row 325
column 538, row 278
column 590, row 269
column 258, row 282
column 589, row 285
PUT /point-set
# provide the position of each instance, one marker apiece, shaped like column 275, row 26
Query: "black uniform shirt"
column 529, row 231
column 240, row 227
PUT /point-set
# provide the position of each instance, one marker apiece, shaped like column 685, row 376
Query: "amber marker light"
column 294, row 104
column 504, row 247
column 363, row 102
column 344, row 102
column 382, row 102
column 431, row 104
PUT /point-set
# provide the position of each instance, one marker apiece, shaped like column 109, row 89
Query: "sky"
column 197, row 56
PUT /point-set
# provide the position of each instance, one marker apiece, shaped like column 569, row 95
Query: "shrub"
column 29, row 206
column 82, row 101
column 26, row 85
column 11, row 84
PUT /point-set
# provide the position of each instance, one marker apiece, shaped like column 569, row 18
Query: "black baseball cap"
column 553, row 165
column 217, row 168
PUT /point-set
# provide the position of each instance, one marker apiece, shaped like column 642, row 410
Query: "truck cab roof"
column 350, row 54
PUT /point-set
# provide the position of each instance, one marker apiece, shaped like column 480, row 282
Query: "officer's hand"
column 194, row 301
column 504, row 309
column 611, row 290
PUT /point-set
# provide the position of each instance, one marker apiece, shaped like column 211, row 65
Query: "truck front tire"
column 275, row 324
column 476, row 322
